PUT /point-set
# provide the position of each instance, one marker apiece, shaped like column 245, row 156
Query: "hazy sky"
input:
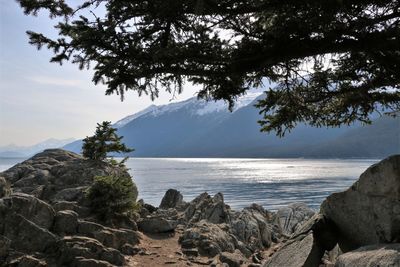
column 41, row 100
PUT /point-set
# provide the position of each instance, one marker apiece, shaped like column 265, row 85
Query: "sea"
column 272, row 183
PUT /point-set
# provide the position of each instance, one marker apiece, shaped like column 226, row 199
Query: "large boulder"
column 31, row 208
column 369, row 211
column 208, row 238
column 307, row 246
column 251, row 226
column 58, row 175
column 171, row 199
column 160, row 221
column 205, row 207
column 290, row 218
column 371, row 256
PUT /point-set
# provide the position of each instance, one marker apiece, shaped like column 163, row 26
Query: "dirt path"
column 164, row 250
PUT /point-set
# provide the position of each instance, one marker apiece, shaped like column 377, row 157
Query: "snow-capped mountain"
column 26, row 151
column 197, row 128
column 194, row 105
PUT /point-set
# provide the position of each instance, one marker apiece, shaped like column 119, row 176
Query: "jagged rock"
column 5, row 189
column 130, row 250
column 210, row 239
column 73, row 249
column 159, row 222
column 290, row 218
column 371, row 256
column 307, row 246
column 145, row 209
column 369, row 211
column 212, row 209
column 232, row 259
column 33, row 209
column 27, row 261
column 299, row 251
column 25, row 235
column 251, row 227
column 171, row 199
column 66, row 222
column 71, row 205
column 109, row 237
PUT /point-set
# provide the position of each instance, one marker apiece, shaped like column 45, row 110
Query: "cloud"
column 56, row 81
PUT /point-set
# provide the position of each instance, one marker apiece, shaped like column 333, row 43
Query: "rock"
column 212, row 209
column 73, row 249
column 210, row 239
column 290, row 218
column 371, row 256
column 28, row 261
column 190, row 252
column 58, row 175
column 307, row 245
column 83, row 262
column 5, row 189
column 27, row 236
column 33, row 209
column 171, row 199
column 130, row 250
column 145, row 209
column 300, row 251
column 232, row 259
column 251, row 227
column 66, row 222
column 369, row 211
column 160, row 221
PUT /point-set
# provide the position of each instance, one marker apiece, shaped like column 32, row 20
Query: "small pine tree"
column 105, row 140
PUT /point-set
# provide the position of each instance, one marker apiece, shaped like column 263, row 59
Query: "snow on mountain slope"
column 195, row 106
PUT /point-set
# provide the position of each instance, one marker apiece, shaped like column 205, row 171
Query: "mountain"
column 196, row 128
column 13, row 151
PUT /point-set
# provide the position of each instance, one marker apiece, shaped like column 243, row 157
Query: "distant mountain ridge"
column 26, row 151
column 197, row 128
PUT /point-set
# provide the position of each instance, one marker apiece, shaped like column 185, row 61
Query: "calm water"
column 270, row 182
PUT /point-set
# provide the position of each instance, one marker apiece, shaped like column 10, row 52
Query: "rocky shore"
column 46, row 220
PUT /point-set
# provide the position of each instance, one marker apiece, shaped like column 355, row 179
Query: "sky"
column 41, row 100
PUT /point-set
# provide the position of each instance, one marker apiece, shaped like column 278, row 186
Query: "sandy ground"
column 164, row 250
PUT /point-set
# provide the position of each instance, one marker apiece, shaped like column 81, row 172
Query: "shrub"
column 110, row 195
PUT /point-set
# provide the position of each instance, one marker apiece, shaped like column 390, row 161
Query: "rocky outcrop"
column 205, row 207
column 207, row 238
column 369, row 211
column 160, row 221
column 371, row 256
column 172, row 199
column 290, row 218
column 48, row 220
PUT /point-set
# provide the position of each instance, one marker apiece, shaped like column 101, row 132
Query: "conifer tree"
column 104, row 141
column 335, row 62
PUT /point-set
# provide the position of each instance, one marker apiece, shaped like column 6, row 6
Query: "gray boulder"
column 5, row 244
column 290, row 218
column 33, row 209
column 251, row 227
column 232, row 259
column 209, row 239
column 28, row 261
column 66, row 222
column 307, row 246
column 25, row 235
column 171, row 199
column 73, row 249
column 160, row 221
column 369, row 211
column 205, row 207
column 371, row 256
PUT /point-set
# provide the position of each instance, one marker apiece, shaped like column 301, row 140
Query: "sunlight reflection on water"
column 270, row 182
